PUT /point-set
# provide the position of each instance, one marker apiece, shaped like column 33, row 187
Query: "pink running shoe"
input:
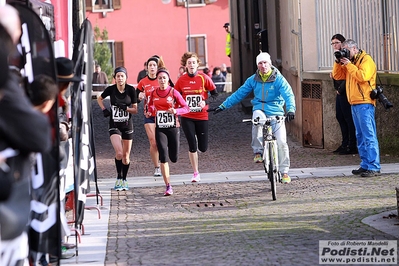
column 169, row 191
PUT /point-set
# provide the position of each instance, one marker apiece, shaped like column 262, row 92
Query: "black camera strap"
column 379, row 79
column 378, row 91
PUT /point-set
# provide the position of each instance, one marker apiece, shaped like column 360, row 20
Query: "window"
column 198, row 46
column 117, row 58
column 192, row 2
column 100, row 5
column 195, row 3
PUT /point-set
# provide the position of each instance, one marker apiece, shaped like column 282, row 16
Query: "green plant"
column 102, row 52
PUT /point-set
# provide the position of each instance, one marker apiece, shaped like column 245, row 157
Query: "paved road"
column 250, row 228
column 230, row 219
column 234, row 223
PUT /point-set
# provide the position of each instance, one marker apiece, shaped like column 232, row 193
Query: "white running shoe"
column 118, row 185
column 125, row 185
column 157, row 172
column 196, row 177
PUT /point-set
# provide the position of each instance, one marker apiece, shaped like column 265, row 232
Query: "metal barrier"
column 95, row 93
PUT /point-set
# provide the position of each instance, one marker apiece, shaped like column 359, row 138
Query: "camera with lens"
column 342, row 53
column 377, row 94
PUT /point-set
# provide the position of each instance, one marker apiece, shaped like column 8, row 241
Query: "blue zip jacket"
column 269, row 96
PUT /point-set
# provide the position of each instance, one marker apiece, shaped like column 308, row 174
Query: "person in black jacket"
column 143, row 73
column 343, row 111
column 23, row 130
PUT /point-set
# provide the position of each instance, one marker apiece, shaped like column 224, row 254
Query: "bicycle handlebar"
column 268, row 119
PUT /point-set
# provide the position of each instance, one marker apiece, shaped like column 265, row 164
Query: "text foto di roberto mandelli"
column 352, row 251
column 352, row 243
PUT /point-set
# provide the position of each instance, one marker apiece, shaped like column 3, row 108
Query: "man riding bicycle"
column 271, row 91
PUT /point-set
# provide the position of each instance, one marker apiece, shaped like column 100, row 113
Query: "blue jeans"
column 366, row 135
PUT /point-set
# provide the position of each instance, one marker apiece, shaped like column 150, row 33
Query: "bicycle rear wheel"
column 271, row 173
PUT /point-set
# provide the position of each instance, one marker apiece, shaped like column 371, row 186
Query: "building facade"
column 140, row 29
column 297, row 36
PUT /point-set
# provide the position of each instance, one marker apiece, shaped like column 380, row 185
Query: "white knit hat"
column 263, row 57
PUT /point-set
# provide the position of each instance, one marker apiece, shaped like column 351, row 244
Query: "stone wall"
column 387, row 120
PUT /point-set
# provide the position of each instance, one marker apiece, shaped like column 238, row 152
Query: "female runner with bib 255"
column 165, row 104
column 194, row 86
column 123, row 101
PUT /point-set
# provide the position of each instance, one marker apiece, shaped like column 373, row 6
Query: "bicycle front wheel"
column 272, row 173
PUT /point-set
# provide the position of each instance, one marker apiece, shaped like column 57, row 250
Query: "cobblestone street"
column 249, row 229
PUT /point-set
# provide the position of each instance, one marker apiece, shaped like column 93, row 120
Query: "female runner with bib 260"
column 165, row 104
column 123, row 100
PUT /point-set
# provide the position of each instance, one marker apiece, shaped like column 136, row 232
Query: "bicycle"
column 270, row 153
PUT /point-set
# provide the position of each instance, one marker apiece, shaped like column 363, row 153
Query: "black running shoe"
column 348, row 151
column 339, row 149
column 370, row 173
column 359, row 171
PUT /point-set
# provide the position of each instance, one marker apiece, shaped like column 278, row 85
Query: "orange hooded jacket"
column 360, row 78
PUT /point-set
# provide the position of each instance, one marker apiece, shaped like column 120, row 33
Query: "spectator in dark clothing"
column 218, row 77
column 223, row 69
column 99, row 77
column 343, row 111
column 23, row 130
column 143, row 73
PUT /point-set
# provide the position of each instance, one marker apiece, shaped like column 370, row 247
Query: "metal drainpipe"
column 300, row 50
column 300, row 41
column 299, row 34
column 188, row 25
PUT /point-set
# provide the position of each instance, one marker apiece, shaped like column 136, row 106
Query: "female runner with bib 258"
column 123, row 100
column 194, row 86
column 165, row 104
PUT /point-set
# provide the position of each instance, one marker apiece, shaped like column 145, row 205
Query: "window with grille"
column 311, row 90
column 198, row 46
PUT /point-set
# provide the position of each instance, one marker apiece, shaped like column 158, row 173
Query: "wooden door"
column 312, row 114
